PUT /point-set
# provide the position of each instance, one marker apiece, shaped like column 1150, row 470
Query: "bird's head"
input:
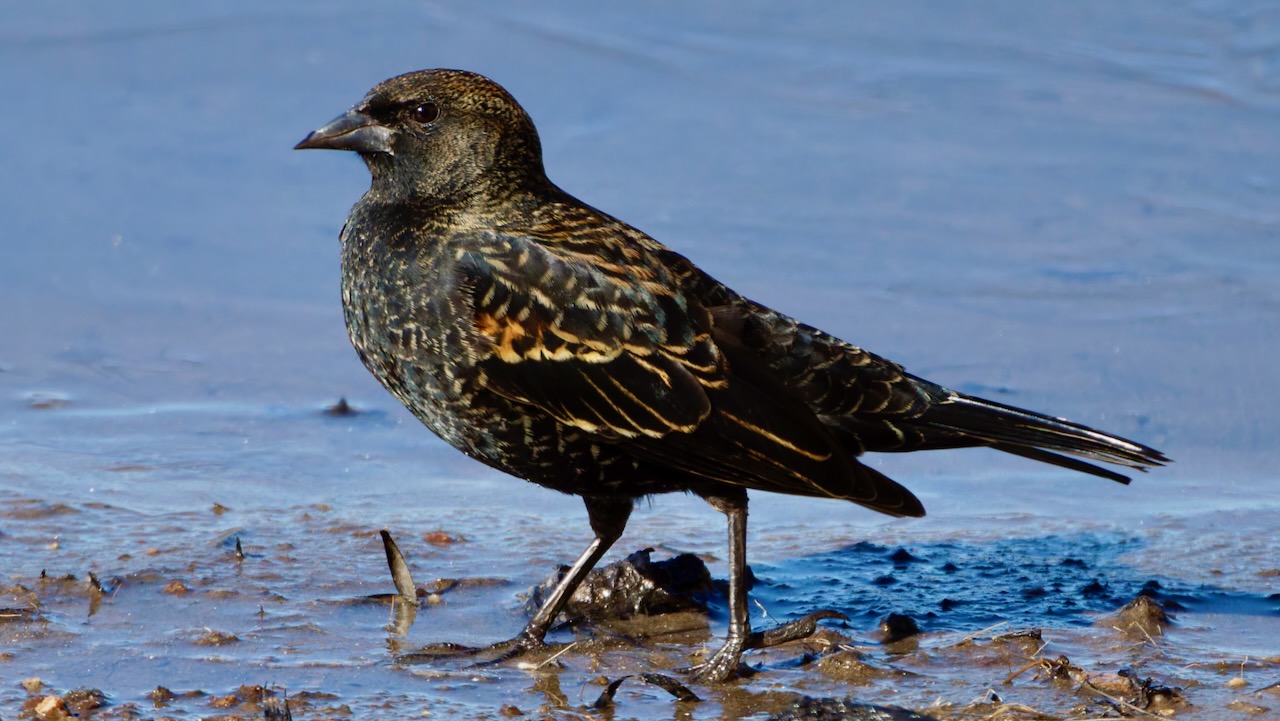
column 439, row 135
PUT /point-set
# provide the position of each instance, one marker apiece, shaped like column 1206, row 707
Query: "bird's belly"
column 440, row 387
column 523, row 441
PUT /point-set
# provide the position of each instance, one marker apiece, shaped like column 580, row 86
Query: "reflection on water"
column 1071, row 208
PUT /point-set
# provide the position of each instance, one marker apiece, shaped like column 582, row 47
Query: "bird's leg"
column 724, row 664
column 608, row 517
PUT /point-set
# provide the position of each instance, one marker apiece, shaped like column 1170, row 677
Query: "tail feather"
column 1040, row 437
column 1074, row 464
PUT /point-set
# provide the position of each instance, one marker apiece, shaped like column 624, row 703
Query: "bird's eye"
column 426, row 113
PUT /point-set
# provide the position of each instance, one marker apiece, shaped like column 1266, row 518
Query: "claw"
column 724, row 665
column 727, row 663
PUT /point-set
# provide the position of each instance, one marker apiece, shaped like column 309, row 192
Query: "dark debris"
column 666, row 683
column 834, row 709
column 633, row 586
column 341, row 409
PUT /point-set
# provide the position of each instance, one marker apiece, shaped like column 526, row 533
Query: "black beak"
column 351, row 131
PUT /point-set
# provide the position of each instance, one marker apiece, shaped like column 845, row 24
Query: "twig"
column 979, row 632
column 554, row 656
column 1021, row 671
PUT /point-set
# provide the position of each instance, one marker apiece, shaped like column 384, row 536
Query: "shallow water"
column 1071, row 208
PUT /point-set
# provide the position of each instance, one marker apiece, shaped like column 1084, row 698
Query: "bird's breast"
column 408, row 322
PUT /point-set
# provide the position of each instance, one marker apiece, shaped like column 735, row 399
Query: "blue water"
column 1073, row 207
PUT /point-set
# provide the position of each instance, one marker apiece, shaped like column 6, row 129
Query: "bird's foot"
column 724, row 665
column 727, row 664
column 490, row 655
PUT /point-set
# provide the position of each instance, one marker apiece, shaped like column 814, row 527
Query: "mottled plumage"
column 561, row 345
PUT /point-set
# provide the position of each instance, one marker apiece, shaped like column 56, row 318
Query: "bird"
column 558, row 344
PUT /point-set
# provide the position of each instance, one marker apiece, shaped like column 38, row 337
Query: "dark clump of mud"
column 634, row 586
column 79, row 703
column 897, row 627
column 247, row 702
column 341, row 409
column 678, row 690
column 850, row 666
column 1144, row 616
column 833, row 709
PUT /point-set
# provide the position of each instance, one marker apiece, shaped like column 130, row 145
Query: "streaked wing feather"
column 636, row 364
column 596, row 354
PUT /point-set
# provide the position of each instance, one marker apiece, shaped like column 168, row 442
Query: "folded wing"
column 623, row 354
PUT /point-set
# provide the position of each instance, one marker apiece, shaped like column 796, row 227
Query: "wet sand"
column 1008, row 625
column 1070, row 208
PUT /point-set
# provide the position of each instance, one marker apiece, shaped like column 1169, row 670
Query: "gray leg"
column 724, row 664
column 608, row 518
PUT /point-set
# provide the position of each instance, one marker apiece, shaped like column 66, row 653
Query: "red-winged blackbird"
column 556, row 343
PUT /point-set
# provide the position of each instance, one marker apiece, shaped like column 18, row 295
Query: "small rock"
column 48, row 708
column 897, row 626
column 161, row 696
column 441, row 538
column 83, row 700
column 216, row 638
column 252, row 694
column 835, row 709
column 230, row 701
column 1143, row 616
column 33, row 685
column 848, row 666
column 902, row 557
column 1252, row 709
column 340, row 409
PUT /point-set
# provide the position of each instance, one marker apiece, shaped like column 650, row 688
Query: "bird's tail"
column 1040, row 437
